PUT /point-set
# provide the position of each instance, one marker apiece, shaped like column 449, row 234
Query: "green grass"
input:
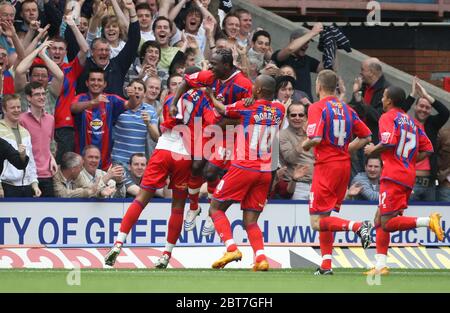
column 227, row 280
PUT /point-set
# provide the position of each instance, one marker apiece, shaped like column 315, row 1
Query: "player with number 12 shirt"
column 402, row 143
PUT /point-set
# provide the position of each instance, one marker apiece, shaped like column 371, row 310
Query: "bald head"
column 371, row 70
column 264, row 87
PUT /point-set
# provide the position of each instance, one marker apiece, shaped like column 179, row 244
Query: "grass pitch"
column 227, row 280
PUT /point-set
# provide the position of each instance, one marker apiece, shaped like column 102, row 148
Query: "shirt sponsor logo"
column 96, row 124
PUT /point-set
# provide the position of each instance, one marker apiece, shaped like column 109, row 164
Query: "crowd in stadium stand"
column 60, row 58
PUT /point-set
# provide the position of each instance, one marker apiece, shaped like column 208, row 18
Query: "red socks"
column 326, row 240
column 223, row 228
column 131, row 217
column 195, row 182
column 175, row 225
column 332, row 223
column 256, row 240
column 401, row 223
column 382, row 240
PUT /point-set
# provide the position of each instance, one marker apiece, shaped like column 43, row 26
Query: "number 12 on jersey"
column 406, row 143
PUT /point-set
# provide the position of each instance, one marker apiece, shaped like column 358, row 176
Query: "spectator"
column 162, row 28
column 230, row 27
column 67, row 182
column 7, row 80
column 192, row 22
column 144, row 15
column 114, row 34
column 294, row 54
column 29, row 12
column 64, row 124
column 368, row 91
column 41, row 127
column 16, row 182
column 284, row 92
column 84, row 25
column 154, row 7
column 366, row 185
column 109, row 184
column 133, row 125
column 153, row 85
column 39, row 73
column 18, row 158
column 443, row 193
column 259, row 53
column 113, row 27
column 245, row 27
column 115, row 68
column 299, row 163
column 95, row 114
column 426, row 170
column 173, row 83
column 136, row 169
column 147, row 64
column 7, row 14
column 298, row 96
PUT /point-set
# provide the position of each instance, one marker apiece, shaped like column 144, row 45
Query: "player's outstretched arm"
column 180, row 91
column 358, row 143
column 309, row 143
column 371, row 149
column 219, row 106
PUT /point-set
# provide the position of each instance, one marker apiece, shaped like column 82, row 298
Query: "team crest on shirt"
column 385, row 137
column 311, row 129
column 193, row 76
column 220, row 97
column 96, row 124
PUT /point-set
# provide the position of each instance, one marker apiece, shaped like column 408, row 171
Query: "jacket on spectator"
column 292, row 153
column 88, row 179
column 118, row 67
column 370, row 112
column 432, row 126
column 10, row 173
column 9, row 154
column 70, row 189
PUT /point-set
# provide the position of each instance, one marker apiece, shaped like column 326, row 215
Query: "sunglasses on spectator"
column 297, row 114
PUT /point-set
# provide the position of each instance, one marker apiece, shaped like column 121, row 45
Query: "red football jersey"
column 335, row 123
column 63, row 115
column 228, row 91
column 260, row 124
column 405, row 139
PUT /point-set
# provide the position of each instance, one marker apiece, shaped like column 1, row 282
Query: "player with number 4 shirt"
column 331, row 127
column 402, row 144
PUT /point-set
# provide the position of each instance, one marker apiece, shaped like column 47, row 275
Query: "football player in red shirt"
column 250, row 175
column 402, row 144
column 332, row 125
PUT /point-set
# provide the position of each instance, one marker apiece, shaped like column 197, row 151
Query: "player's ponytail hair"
column 397, row 96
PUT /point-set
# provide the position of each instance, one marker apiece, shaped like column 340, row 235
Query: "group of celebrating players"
column 224, row 96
